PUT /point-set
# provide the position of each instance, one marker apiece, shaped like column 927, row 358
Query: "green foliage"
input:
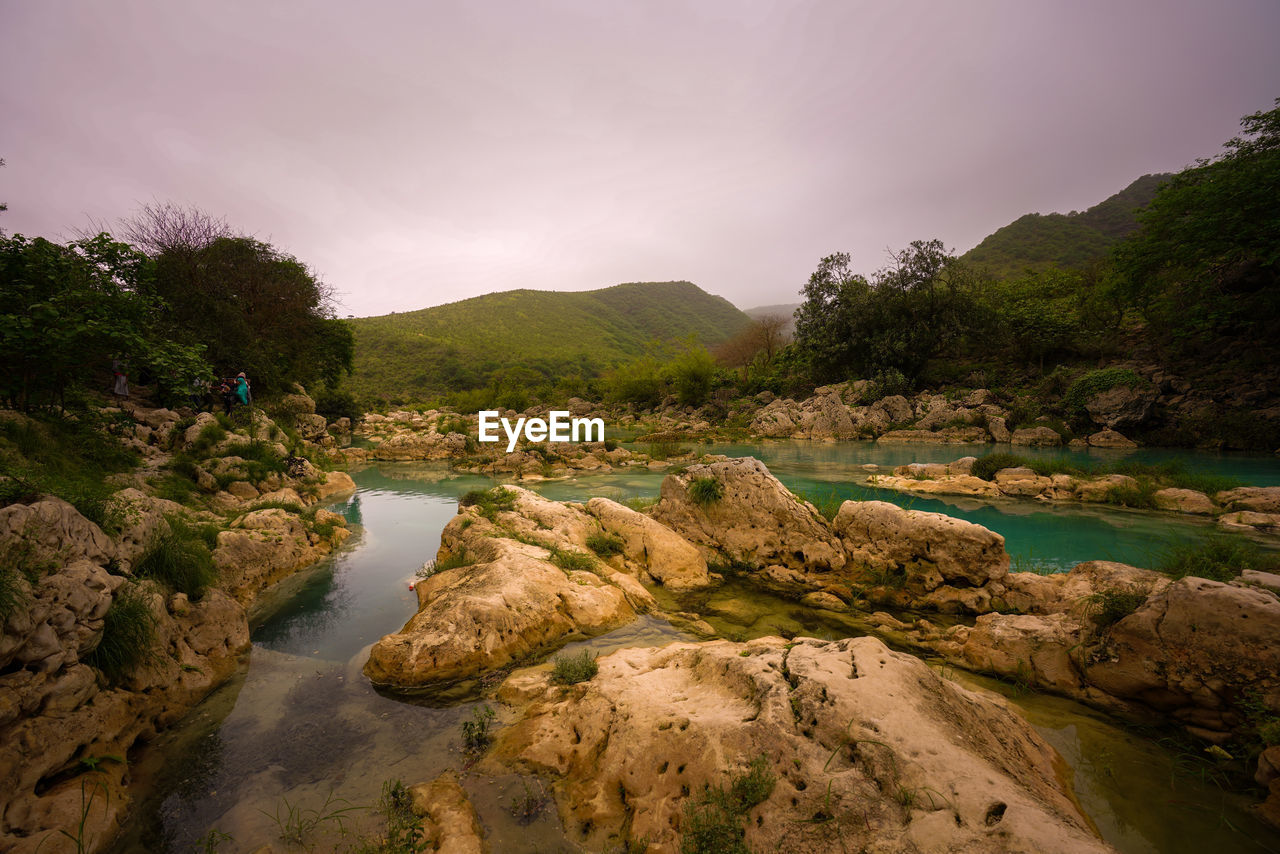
column 67, row 311
column 572, row 669
column 475, row 732
column 986, row 466
column 922, row 304
column 1095, row 383
column 1110, row 606
column 641, row 502
column 573, row 561
column 885, row 383
column 827, row 505
column 489, row 501
column 128, row 635
column 665, row 450
column 1218, row 558
column 261, row 459
column 297, row 825
column 713, row 824
column 404, row 834
column 334, row 403
column 1206, row 262
column 14, row 591
column 705, row 491
column 692, row 372
column 67, row 457
column 180, row 559
column 563, row 340
column 458, row 559
column 605, row 545
column 1139, row 495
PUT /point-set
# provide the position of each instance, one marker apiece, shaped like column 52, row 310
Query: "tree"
column 825, row 320
column 1206, row 260
column 754, row 347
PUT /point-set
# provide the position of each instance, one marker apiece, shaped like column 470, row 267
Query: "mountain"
column 1067, row 240
column 784, row 310
column 415, row 355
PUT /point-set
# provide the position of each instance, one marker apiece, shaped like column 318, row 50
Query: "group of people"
column 233, row 390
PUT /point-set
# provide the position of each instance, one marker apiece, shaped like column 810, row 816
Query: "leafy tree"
column 1206, row 261
column 68, row 310
column 254, row 308
column 1040, row 312
column 692, row 373
column 825, row 321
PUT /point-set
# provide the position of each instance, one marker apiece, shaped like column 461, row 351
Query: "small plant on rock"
column 475, row 732
column 1110, row 606
column 605, row 545
column 705, row 491
column 572, row 669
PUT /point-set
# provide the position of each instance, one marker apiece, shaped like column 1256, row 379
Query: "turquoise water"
column 302, row 725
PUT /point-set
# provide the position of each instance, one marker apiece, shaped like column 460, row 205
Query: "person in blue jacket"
column 243, row 394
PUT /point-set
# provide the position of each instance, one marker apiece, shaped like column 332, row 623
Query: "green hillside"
column 529, row 337
column 1073, row 240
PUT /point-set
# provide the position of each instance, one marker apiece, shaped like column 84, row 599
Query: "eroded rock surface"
column 870, row 749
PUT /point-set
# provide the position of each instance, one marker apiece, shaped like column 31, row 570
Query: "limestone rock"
column 1260, row 499
column 1062, row 592
column 1036, row 437
column 844, row 726
column 1021, row 480
column 142, row 519
column 777, row 420
column 335, row 483
column 1184, row 501
column 261, row 548
column 1030, row 649
column 449, row 820
column 669, row 558
column 932, row 547
column 56, row 530
column 998, row 429
column 1109, row 438
column 756, row 520
column 1122, row 406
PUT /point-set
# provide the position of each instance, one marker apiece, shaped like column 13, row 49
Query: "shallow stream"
column 300, row 738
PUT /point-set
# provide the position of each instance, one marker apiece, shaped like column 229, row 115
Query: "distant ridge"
column 414, row 355
column 1069, row 240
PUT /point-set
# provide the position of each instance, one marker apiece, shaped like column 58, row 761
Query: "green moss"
column 490, row 501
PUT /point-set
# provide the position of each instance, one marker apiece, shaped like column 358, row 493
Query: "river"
column 299, row 737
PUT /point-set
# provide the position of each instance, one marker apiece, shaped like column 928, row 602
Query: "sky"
column 418, row 153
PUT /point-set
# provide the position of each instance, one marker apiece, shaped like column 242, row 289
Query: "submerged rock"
column 869, row 750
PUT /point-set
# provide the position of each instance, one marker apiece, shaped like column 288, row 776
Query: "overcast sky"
column 417, row 153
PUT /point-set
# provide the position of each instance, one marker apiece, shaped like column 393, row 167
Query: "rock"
column 825, row 601
column 312, row 427
column 949, row 436
column 56, row 531
column 1062, row 592
column 755, row 521
column 846, row 727
column 297, row 404
column 931, row 547
column 1268, row 523
column 1255, row 578
column 1022, row 481
column 669, row 558
column 777, row 420
column 1260, row 499
column 142, row 520
column 1109, row 438
column 192, row 433
column 1184, row 501
column 998, row 429
column 1036, row 437
column 1122, row 406
column 1099, row 489
column 1030, row 649
column 450, row 823
column 1195, row 643
column 335, row 483
column 896, row 408
column 242, row 490
column 261, row 548
column 950, row 485
column 962, row 466
column 828, row 419
column 156, row 419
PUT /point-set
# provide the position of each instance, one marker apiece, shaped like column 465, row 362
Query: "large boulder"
column 1036, row 437
column 778, row 420
column 1184, row 501
column 1108, row 438
column 1122, row 406
column 449, row 821
column 931, row 549
column 508, row 606
column 755, row 520
column 1259, row 499
column 668, row 558
column 1062, row 592
column 826, row 418
column 262, row 547
column 54, row 530
column 870, row 750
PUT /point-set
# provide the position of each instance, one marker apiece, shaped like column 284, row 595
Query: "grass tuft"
column 1220, row 557
column 605, row 545
column 705, row 491
column 128, row 635
column 572, row 669
column 180, row 559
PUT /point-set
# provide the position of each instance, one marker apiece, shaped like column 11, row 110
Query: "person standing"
column 243, row 394
column 120, row 370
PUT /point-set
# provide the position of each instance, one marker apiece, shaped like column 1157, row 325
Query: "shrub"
column 713, row 824
column 1094, row 383
column 489, row 501
column 1219, row 557
column 338, row 403
column 180, row 559
column 13, row 589
column 886, row 383
column 1108, row 607
column 261, row 459
column 572, row 669
column 705, row 491
column 986, row 467
column 475, row 732
column 128, row 635
column 605, row 545
column 1140, row 496
column 571, row 561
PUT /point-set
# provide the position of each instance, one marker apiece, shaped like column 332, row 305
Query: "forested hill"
column 1073, row 240
column 529, row 337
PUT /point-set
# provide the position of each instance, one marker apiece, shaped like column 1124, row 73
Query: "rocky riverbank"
column 519, row 576
column 100, row 650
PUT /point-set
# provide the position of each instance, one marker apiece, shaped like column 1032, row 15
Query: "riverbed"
column 299, row 736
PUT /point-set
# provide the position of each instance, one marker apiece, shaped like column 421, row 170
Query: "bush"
column 986, row 467
column 1108, row 607
column 180, row 559
column 573, row 561
column 338, row 403
column 128, row 635
column 489, row 501
column 572, row 669
column 1140, row 496
column 1094, row 383
column 713, row 824
column 886, row 383
column 605, row 545
column 1218, row 558
column 705, row 491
